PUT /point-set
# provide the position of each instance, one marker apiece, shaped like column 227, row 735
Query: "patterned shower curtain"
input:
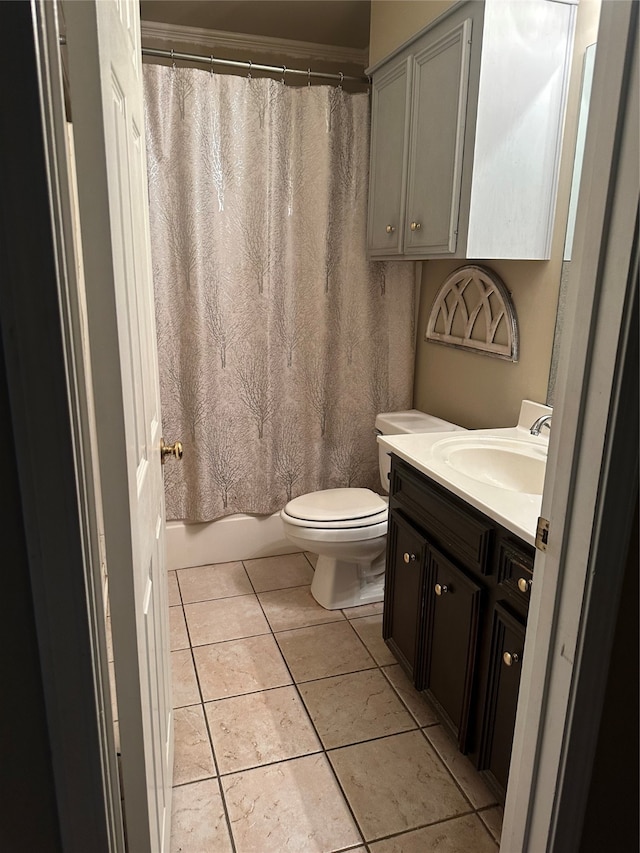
column 278, row 341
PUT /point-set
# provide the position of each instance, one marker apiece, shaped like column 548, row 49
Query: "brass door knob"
column 415, row 226
column 524, row 584
column 409, row 558
column 390, row 229
column 441, row 588
column 167, row 450
column 510, row 658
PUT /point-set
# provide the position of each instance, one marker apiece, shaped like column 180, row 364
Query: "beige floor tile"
column 370, row 632
column 460, row 835
column 460, row 767
column 396, row 784
column 355, row 707
column 295, row 608
column 415, row 702
column 240, row 666
column 198, row 823
column 363, row 610
column 225, row 619
column 295, row 806
column 279, row 572
column 492, row 819
column 313, row 558
column 323, row 650
column 192, row 759
column 172, row 589
column 183, row 679
column 178, row 637
column 222, row 580
column 260, row 728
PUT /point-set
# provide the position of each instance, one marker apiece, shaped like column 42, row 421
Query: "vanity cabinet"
column 466, row 131
column 457, row 589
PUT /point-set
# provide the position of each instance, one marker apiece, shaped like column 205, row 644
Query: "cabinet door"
column 436, row 147
column 387, row 181
column 507, row 643
column 453, row 603
column 403, row 620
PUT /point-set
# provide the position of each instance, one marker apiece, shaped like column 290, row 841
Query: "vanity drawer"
column 459, row 531
column 515, row 571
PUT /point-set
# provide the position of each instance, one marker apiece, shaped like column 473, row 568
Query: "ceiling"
column 344, row 23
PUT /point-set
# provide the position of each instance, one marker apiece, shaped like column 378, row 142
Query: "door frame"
column 46, row 377
column 593, row 456
column 41, row 343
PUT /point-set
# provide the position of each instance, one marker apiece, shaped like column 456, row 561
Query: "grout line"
column 206, row 722
column 323, row 750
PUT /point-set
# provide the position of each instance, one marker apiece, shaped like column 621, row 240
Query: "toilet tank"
column 410, row 420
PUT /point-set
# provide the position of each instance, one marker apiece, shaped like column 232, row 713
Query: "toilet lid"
column 336, row 505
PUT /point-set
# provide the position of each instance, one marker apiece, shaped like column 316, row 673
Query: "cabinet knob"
column 390, row 229
column 409, row 558
column 415, row 226
column 441, row 588
column 524, row 584
column 510, row 658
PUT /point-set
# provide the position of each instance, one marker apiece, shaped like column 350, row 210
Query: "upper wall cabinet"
column 466, row 133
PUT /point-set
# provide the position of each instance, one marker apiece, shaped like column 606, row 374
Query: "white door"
column 105, row 71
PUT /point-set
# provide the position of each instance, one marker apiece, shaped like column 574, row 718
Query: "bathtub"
column 236, row 537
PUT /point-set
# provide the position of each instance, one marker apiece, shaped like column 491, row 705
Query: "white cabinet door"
column 439, row 107
column 389, row 135
column 103, row 40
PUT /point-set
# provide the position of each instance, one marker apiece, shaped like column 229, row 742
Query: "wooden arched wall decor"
column 473, row 310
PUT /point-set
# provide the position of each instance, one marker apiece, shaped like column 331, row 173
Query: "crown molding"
column 215, row 40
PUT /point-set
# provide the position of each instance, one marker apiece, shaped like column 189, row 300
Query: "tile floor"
column 297, row 732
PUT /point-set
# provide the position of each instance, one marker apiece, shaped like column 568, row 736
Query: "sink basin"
column 516, row 465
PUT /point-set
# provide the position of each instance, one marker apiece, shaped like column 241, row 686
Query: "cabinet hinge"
column 542, row 534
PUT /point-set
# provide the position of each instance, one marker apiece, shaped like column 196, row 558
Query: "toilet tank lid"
column 412, row 420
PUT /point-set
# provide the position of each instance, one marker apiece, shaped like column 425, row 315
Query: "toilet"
column 347, row 528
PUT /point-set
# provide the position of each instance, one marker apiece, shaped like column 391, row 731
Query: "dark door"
column 505, row 666
column 403, row 622
column 453, row 602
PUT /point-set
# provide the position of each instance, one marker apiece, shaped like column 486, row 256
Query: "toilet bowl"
column 347, row 527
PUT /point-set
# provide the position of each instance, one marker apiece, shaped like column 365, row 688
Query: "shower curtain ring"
column 341, row 80
column 212, row 61
column 309, row 77
column 249, row 72
column 284, row 71
column 173, row 62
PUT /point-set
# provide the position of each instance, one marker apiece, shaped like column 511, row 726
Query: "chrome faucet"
column 544, row 421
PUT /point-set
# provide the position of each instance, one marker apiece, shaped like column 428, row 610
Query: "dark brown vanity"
column 456, row 600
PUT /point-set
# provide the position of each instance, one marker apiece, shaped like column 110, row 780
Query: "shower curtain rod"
column 250, row 66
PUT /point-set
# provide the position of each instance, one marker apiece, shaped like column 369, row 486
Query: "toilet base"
column 339, row 583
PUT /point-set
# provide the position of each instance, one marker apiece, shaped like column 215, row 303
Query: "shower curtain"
column 278, row 341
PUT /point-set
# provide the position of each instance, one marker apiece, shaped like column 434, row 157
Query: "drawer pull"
column 510, row 658
column 409, row 558
column 390, row 229
column 441, row 588
column 524, row 584
column 415, row 226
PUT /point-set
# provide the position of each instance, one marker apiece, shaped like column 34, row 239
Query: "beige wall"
column 473, row 390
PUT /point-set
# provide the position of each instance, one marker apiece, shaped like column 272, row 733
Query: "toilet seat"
column 324, row 533
column 335, row 509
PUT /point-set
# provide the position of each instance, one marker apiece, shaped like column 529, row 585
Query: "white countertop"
column 516, row 511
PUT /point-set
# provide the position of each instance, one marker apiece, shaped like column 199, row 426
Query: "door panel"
column 438, row 117
column 454, row 602
column 403, row 620
column 103, row 43
column 387, row 188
